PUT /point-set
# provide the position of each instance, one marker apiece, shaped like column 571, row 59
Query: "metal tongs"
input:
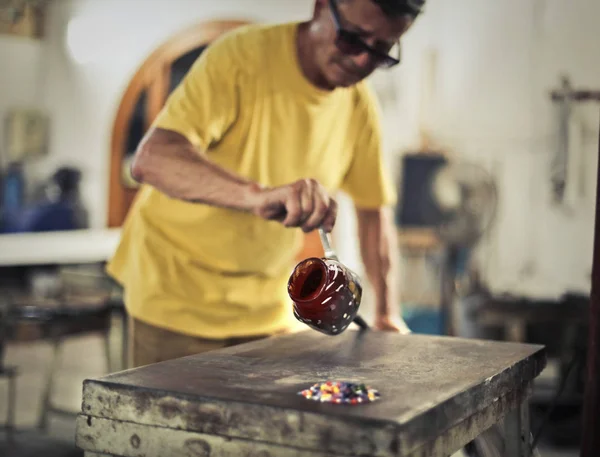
column 329, row 252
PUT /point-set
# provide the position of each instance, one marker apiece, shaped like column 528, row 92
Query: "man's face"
column 341, row 68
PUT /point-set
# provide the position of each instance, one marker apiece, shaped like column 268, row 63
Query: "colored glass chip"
column 340, row 392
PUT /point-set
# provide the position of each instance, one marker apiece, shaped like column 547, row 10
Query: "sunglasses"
column 352, row 44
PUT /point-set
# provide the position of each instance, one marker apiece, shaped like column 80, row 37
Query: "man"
column 269, row 122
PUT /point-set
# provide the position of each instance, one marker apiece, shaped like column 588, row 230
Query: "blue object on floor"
column 424, row 321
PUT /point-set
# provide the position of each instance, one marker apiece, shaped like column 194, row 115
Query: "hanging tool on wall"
column 568, row 165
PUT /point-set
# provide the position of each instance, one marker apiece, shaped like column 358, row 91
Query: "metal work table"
column 437, row 394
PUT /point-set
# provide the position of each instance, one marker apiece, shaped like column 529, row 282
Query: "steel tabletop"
column 437, row 394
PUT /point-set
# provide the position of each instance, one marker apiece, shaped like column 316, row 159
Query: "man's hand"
column 304, row 204
column 386, row 324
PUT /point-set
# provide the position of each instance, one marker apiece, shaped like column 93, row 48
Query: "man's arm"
column 167, row 161
column 378, row 246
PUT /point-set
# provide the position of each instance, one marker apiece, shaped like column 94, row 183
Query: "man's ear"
column 320, row 5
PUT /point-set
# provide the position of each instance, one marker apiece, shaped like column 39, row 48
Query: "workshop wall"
column 496, row 63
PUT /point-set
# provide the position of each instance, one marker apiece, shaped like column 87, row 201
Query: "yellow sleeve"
column 205, row 103
column 367, row 180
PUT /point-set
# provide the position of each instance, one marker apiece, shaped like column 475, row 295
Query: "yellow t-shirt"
column 219, row 273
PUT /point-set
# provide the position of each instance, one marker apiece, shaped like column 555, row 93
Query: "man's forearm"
column 376, row 250
column 168, row 162
column 380, row 256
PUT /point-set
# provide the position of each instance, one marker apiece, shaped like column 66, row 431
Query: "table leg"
column 517, row 433
column 12, row 399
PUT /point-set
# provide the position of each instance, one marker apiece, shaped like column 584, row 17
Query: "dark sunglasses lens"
column 349, row 43
column 387, row 62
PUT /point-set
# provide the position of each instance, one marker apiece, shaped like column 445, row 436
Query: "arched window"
column 144, row 97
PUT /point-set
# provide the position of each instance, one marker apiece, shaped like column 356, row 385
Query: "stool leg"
column 108, row 352
column 125, row 336
column 50, row 378
column 115, row 343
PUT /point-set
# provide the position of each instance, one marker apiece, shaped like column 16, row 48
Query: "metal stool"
column 56, row 324
column 9, row 373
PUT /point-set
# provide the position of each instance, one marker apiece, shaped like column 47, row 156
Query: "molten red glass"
column 326, row 294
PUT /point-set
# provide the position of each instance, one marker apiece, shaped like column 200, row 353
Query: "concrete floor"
column 82, row 357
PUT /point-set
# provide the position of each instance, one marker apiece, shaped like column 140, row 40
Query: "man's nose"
column 364, row 61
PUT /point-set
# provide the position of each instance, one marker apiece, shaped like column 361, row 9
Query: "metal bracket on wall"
column 567, row 164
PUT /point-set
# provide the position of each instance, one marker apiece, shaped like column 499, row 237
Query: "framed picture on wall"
column 26, row 134
column 21, row 18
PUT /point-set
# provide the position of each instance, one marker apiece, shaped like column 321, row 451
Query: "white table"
column 64, row 247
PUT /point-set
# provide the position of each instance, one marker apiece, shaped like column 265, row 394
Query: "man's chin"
column 343, row 80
